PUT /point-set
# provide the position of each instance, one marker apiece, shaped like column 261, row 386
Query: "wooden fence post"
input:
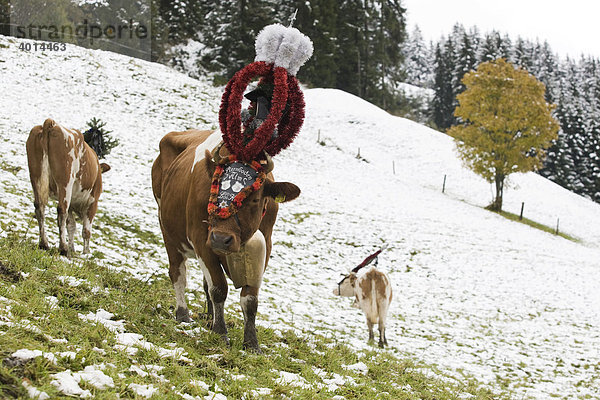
column 522, row 206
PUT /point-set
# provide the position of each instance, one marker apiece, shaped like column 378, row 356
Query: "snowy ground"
column 473, row 292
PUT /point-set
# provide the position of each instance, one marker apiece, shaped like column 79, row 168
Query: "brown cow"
column 181, row 180
column 64, row 167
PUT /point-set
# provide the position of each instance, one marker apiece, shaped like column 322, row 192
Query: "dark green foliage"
column 228, row 33
column 98, row 138
column 319, row 22
column 356, row 43
column 4, row 17
column 574, row 160
column 443, row 103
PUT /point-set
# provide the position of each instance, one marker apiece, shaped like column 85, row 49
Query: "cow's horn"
column 270, row 165
column 216, row 154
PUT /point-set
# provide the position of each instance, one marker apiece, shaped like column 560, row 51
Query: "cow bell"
column 247, row 266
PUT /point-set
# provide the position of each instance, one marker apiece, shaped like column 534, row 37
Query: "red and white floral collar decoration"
column 214, row 208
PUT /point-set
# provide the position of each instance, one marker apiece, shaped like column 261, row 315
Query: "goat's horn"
column 270, row 165
column 216, row 154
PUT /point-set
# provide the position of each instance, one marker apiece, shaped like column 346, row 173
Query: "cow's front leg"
column 249, row 303
column 178, row 275
column 40, row 215
column 209, row 307
column 71, row 230
column 218, row 295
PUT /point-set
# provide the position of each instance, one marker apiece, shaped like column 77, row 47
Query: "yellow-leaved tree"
column 505, row 123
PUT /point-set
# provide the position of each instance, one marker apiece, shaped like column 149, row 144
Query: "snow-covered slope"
column 473, row 292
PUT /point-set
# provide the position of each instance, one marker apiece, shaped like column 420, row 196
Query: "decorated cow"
column 215, row 190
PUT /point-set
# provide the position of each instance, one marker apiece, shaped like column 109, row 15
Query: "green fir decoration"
column 98, row 138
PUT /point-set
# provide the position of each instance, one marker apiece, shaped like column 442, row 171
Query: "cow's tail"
column 45, row 137
column 48, row 124
column 44, row 179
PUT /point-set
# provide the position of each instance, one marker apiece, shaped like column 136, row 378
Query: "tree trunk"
column 497, row 203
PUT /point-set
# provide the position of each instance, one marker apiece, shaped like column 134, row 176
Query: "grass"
column 28, row 277
column 10, row 168
column 536, row 225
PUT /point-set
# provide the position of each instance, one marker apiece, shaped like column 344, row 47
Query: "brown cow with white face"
column 181, row 181
column 62, row 166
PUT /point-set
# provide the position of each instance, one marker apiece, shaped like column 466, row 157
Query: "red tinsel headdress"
column 280, row 52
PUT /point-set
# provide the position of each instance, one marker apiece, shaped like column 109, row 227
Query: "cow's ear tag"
column 280, row 198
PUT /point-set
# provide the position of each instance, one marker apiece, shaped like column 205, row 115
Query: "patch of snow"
column 93, row 375
column 66, row 383
column 261, row 392
column 54, row 340
column 33, row 392
column 149, row 370
column 200, row 384
column 105, row 318
column 67, row 354
column 52, row 302
column 145, row 391
column 359, row 367
column 99, row 350
column 26, row 355
column 72, row 281
column 289, row 378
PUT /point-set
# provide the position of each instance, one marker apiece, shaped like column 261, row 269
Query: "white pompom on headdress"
column 284, row 47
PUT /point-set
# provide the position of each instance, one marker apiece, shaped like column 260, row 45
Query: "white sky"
column 571, row 27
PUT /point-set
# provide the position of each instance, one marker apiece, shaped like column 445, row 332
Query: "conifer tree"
column 522, row 54
column 418, row 65
column 231, row 28
column 351, row 47
column 319, row 22
column 466, row 60
column 545, row 68
column 4, row 17
column 506, row 124
column 443, row 86
column 493, row 48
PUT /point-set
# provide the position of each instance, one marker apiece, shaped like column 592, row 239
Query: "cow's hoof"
column 64, row 252
column 226, row 340
column 43, row 246
column 182, row 315
column 381, row 345
column 253, row 348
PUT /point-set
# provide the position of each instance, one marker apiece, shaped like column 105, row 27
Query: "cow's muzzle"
column 222, row 242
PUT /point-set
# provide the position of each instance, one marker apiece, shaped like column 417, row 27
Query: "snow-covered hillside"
column 474, row 293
